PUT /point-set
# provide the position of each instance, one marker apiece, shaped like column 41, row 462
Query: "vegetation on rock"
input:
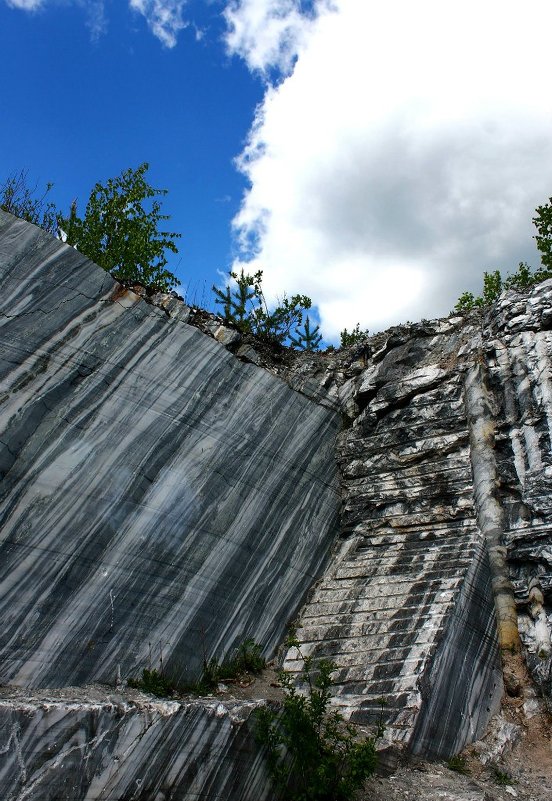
column 353, row 337
column 312, row 754
column 244, row 305
column 119, row 230
column 246, row 660
column 525, row 277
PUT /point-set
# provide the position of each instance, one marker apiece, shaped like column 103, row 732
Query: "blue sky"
column 377, row 157
column 79, row 108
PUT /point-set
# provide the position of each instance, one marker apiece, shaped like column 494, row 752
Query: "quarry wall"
column 162, row 499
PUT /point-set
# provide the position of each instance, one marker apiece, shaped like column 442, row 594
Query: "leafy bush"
column 117, row 231
column 493, row 284
column 153, row 682
column 245, row 306
column 246, row 659
column 353, row 337
column 525, row 277
column 120, row 234
column 18, row 198
column 312, row 754
column 543, row 224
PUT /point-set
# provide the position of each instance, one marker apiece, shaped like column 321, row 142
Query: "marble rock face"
column 405, row 608
column 159, row 498
column 114, row 750
column 518, row 351
column 446, row 468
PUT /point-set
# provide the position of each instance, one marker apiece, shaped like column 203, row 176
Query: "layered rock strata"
column 405, row 609
column 160, row 502
column 114, row 749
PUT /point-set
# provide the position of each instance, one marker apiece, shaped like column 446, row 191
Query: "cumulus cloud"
column 269, row 33
column 403, row 154
column 164, row 18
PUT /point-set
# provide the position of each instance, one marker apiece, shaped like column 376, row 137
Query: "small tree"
column 543, row 224
column 245, row 306
column 353, row 337
column 120, row 234
column 312, row 754
column 306, row 339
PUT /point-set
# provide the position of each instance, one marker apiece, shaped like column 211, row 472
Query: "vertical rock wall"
column 518, row 340
column 408, row 595
column 158, row 499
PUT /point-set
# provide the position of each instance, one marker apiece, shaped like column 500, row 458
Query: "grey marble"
column 116, row 749
column 159, row 498
column 405, row 608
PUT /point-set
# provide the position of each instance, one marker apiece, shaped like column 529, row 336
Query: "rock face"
column 446, row 473
column 120, row 750
column 161, row 498
column 406, row 609
column 158, row 496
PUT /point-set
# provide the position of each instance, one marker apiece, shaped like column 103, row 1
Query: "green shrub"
column 246, row 660
column 245, row 306
column 500, row 777
column 457, row 763
column 312, row 754
column 353, row 337
column 153, row 682
column 121, row 234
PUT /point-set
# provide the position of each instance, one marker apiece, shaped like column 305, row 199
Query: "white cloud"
column 403, row 155
column 26, row 5
column 268, row 33
column 164, row 17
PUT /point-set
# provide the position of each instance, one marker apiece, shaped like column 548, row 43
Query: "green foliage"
column 353, row 337
column 493, row 284
column 246, row 659
column 525, row 277
column 18, row 198
column 307, row 339
column 312, row 754
column 500, row 777
column 120, row 234
column 458, row 763
column 543, row 224
column 153, row 682
column 245, row 306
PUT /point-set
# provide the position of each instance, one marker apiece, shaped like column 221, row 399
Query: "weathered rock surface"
column 446, row 476
column 164, row 495
column 159, row 499
column 116, row 749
